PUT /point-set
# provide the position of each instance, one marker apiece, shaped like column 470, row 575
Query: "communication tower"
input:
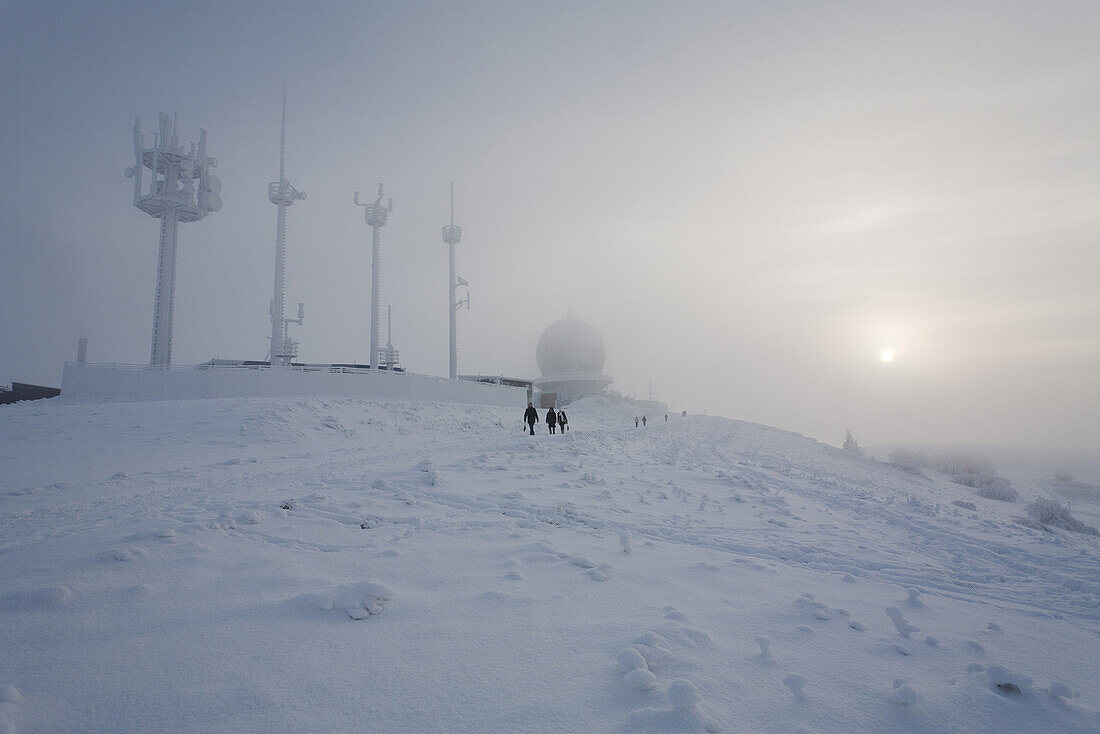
column 452, row 235
column 376, row 216
column 282, row 195
column 388, row 356
column 181, row 189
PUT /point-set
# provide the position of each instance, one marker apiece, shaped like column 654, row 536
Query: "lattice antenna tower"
column 282, row 195
column 376, row 216
column 388, row 356
column 181, row 189
column 452, row 235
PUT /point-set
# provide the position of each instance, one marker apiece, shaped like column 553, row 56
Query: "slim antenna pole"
column 282, row 195
column 282, row 140
column 452, row 235
column 376, row 217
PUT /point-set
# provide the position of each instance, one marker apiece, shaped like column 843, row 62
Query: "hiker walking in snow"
column 643, row 420
column 531, row 417
column 551, row 419
column 635, row 421
column 666, row 417
column 563, row 422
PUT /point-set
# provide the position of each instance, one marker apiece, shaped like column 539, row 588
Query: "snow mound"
column 358, row 601
column 1007, row 681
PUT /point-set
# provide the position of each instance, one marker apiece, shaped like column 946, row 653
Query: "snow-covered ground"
column 293, row 565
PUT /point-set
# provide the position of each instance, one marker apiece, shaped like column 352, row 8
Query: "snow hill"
column 289, row 565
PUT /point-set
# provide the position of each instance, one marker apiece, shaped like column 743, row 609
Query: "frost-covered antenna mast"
column 452, row 235
column 376, row 216
column 172, row 197
column 282, row 195
column 388, row 356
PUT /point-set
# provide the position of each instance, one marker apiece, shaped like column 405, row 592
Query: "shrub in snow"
column 965, row 505
column 998, row 488
column 989, row 486
column 959, row 464
column 1046, row 511
column 909, row 461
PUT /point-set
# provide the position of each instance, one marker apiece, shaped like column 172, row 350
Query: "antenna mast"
column 282, row 195
column 172, row 197
column 452, row 235
column 388, row 356
column 376, row 216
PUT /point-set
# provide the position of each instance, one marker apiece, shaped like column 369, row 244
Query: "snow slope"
column 344, row 565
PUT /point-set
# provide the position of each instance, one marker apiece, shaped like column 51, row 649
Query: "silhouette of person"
column 563, row 422
column 531, row 417
column 551, row 419
column 643, row 420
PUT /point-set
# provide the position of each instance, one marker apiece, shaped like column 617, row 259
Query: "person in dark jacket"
column 531, row 417
column 551, row 419
column 563, row 422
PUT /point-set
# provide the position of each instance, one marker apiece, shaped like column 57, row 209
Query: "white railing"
column 141, row 382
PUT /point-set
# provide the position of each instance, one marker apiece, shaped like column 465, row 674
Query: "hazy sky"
column 751, row 201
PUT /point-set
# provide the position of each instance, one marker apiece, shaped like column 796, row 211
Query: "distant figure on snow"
column 635, row 421
column 666, row 417
column 643, row 420
column 551, row 419
column 531, row 417
column 563, row 422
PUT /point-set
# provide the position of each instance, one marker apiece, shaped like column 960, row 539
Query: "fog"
column 754, row 203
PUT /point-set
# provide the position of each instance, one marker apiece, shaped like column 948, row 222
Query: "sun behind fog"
column 887, row 355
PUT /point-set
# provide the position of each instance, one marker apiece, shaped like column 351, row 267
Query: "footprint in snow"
column 676, row 616
column 796, row 684
column 49, row 598
column 124, row 554
column 902, row 625
column 765, row 655
column 973, row 646
column 903, row 695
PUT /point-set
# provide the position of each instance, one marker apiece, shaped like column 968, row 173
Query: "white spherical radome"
column 570, row 345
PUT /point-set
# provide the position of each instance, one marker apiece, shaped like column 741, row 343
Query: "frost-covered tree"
column 851, row 444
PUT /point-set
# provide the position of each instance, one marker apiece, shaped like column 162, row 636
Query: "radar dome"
column 570, row 345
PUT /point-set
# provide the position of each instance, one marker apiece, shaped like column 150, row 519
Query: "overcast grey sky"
column 751, row 201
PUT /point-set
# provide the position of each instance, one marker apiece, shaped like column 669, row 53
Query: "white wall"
column 128, row 382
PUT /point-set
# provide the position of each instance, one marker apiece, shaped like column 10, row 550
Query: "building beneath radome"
column 571, row 357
